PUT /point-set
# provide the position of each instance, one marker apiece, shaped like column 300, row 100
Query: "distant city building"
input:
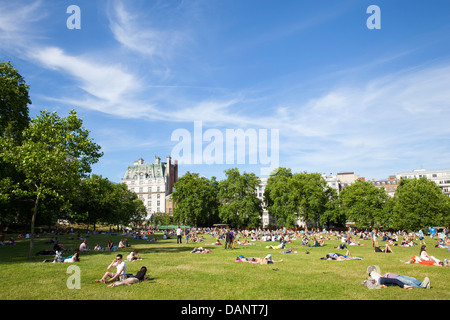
column 267, row 219
column 347, row 179
column 389, row 185
column 170, row 206
column 341, row 180
column 440, row 177
column 152, row 182
column 332, row 181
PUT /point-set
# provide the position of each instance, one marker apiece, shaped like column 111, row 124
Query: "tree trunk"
column 33, row 219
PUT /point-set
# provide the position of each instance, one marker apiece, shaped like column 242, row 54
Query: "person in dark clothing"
column 228, row 239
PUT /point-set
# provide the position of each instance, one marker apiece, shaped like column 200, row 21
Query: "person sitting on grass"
column 426, row 259
column 58, row 247
column 305, row 241
column 133, row 256
column 83, row 246
column 387, row 249
column 122, row 243
column 140, row 276
column 425, row 256
column 316, row 243
column 120, row 272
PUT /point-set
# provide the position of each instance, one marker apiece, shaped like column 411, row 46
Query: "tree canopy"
column 239, row 205
column 418, row 203
column 55, row 153
column 363, row 204
column 195, row 199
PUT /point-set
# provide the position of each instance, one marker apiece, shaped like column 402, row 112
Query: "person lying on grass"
column 340, row 257
column 377, row 280
column 140, row 276
column 266, row 260
column 201, row 250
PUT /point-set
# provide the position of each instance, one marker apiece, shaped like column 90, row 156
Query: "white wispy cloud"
column 384, row 118
column 106, row 82
column 135, row 31
column 17, row 24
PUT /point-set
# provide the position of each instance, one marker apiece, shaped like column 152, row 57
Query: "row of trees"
column 45, row 166
column 293, row 197
column 202, row 201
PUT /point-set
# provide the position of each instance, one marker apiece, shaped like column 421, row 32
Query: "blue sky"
column 342, row 97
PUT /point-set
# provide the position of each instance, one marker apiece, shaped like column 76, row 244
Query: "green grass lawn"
column 180, row 275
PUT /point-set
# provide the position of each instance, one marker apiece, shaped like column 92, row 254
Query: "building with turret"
column 152, row 182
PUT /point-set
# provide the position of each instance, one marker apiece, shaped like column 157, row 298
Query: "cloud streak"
column 391, row 117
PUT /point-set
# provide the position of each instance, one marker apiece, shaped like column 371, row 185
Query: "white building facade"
column 266, row 218
column 152, row 182
column 440, row 177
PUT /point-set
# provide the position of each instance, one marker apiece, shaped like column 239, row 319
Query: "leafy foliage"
column 418, row 203
column 305, row 196
column 195, row 200
column 54, row 155
column 240, row 206
column 14, row 101
column 363, row 203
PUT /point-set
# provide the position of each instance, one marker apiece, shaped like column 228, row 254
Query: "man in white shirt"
column 121, row 270
column 83, row 246
column 179, row 233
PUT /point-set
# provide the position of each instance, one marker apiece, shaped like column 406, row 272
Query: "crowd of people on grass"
column 283, row 238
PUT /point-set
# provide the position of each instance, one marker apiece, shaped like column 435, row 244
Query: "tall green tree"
column 279, row 198
column 98, row 200
column 127, row 207
column 54, row 155
column 239, row 205
column 306, row 196
column 14, row 101
column 195, row 200
column 418, row 203
column 312, row 195
column 363, row 204
column 14, row 118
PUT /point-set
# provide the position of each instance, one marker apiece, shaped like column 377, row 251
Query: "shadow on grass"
column 19, row 252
